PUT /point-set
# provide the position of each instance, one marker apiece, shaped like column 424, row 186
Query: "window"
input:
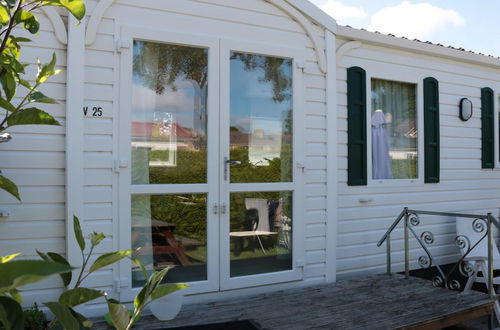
column 394, row 130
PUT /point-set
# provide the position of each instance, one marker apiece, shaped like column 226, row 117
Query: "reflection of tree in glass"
column 275, row 71
column 173, row 62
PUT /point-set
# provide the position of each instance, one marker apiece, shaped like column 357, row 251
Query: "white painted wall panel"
column 464, row 186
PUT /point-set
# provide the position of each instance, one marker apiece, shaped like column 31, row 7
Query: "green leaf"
column 63, row 315
column 119, row 314
column 141, row 297
column 75, row 7
column 31, row 116
column 25, row 83
column 30, row 22
column 78, row 233
column 11, row 313
column 43, row 256
column 8, row 258
column 139, row 263
column 21, row 39
column 4, row 15
column 6, row 105
column 164, row 289
column 78, row 296
column 9, row 84
column 108, row 259
column 17, row 273
column 14, row 294
column 39, row 97
column 46, row 70
column 9, row 187
column 66, row 277
column 4, row 321
column 96, row 238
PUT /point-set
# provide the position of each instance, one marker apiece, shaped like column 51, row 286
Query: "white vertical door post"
column 74, row 132
column 331, row 117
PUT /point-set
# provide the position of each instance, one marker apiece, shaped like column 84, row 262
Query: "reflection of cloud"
column 419, row 20
column 342, row 12
column 145, row 99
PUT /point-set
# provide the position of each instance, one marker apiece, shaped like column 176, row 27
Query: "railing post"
column 388, row 246
column 407, row 244
column 490, row 257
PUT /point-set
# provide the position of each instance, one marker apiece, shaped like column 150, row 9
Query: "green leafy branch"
column 21, row 14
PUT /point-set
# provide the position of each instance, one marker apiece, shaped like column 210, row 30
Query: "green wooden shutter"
column 487, row 129
column 431, row 130
column 356, row 127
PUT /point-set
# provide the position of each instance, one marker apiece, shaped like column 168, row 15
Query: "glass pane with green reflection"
column 261, row 118
column 394, row 130
column 170, row 230
column 169, row 114
column 260, row 232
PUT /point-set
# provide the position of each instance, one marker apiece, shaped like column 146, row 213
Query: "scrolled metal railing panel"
column 466, row 266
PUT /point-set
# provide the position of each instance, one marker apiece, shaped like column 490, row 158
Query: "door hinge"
column 215, row 208
column 300, row 165
column 223, row 208
column 122, row 44
column 300, row 263
column 119, row 164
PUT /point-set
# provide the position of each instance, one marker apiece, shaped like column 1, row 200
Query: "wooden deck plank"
column 376, row 302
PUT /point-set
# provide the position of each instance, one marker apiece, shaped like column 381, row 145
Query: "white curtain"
column 381, row 161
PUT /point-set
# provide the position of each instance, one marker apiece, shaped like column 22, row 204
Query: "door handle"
column 228, row 162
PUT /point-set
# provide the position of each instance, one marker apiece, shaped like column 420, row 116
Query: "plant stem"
column 84, row 265
column 10, row 27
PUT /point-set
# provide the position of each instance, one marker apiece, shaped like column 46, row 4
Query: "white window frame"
column 382, row 72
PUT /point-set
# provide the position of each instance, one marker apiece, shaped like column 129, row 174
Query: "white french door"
column 210, row 161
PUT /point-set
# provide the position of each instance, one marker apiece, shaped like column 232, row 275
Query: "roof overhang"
column 315, row 14
column 420, row 47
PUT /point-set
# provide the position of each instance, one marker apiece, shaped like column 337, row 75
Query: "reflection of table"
column 251, row 233
column 163, row 240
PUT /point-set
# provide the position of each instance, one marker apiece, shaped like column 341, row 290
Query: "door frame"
column 126, row 189
column 217, row 192
column 296, row 273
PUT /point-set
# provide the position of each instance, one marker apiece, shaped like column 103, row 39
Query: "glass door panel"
column 260, row 184
column 260, row 232
column 169, row 149
column 169, row 114
column 260, row 132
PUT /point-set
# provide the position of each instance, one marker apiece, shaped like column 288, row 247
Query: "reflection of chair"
column 478, row 256
column 257, row 218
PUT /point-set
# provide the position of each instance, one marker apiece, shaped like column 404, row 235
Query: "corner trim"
column 346, row 47
column 57, row 24
column 95, row 19
column 307, row 26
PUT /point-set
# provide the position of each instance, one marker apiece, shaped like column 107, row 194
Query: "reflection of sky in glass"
column 252, row 99
column 179, row 102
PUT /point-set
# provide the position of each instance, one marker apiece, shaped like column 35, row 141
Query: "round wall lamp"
column 465, row 109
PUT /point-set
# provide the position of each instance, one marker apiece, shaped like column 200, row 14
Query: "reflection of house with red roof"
column 161, row 136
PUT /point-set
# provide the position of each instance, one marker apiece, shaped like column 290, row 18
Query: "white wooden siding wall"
column 238, row 19
column 35, row 160
column 464, row 186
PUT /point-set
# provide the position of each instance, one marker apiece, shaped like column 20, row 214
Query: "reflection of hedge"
column 404, row 168
column 188, row 211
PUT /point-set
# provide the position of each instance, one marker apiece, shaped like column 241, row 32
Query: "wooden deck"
column 376, row 302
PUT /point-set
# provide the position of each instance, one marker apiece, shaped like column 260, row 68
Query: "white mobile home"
column 253, row 144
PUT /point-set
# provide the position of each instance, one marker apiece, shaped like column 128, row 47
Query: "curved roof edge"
column 316, row 14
